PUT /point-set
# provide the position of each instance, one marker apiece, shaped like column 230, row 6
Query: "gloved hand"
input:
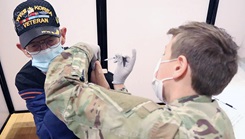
column 124, row 67
column 96, row 50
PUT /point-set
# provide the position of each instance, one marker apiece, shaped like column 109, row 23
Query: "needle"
column 109, row 58
column 123, row 58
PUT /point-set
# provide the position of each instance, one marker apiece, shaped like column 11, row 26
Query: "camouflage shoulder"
column 71, row 62
column 85, row 47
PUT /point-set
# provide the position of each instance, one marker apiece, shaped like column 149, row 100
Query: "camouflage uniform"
column 93, row 112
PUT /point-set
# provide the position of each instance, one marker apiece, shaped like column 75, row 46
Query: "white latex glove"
column 124, row 67
column 96, row 50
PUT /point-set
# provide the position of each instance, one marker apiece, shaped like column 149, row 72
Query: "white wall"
column 79, row 16
column 143, row 24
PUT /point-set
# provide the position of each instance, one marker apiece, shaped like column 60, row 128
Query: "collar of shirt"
column 190, row 99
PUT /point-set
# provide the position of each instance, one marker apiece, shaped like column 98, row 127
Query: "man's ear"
column 181, row 67
column 63, row 35
column 23, row 50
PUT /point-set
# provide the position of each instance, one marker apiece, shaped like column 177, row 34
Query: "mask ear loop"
column 158, row 66
column 169, row 60
column 27, row 52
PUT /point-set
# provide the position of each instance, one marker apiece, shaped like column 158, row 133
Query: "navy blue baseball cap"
column 34, row 18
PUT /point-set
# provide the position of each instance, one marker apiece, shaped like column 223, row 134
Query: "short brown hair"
column 211, row 54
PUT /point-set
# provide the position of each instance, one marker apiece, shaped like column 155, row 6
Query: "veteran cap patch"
column 34, row 18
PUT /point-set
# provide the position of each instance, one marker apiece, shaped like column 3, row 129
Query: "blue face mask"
column 44, row 57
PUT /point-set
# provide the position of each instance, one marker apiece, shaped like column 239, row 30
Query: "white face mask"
column 44, row 57
column 157, row 84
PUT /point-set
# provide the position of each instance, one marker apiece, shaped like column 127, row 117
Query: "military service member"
column 198, row 62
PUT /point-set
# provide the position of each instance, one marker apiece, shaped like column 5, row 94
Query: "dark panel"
column 102, row 30
column 212, row 11
column 6, row 91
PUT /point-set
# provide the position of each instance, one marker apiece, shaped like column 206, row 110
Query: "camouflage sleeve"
column 91, row 111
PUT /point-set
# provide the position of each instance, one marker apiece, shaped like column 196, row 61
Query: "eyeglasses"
column 35, row 47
